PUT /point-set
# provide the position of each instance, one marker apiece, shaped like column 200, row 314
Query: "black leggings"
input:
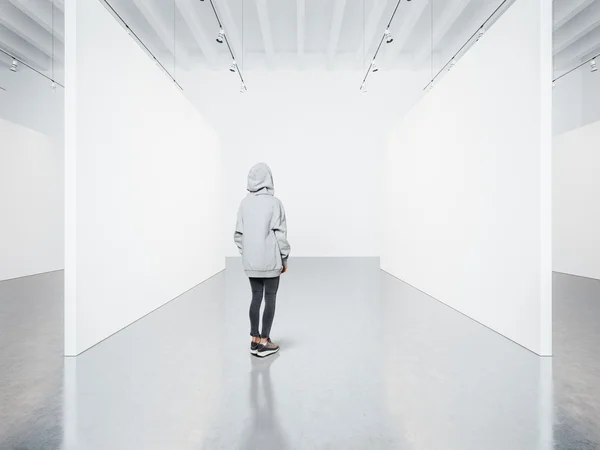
column 269, row 287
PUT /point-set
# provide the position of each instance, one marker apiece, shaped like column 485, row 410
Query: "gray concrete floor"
column 367, row 362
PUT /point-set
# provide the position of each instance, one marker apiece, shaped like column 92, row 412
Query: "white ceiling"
column 291, row 34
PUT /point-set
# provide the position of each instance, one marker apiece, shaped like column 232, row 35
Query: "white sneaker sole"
column 266, row 353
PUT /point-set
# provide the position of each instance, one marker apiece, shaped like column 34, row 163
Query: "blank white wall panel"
column 468, row 183
column 576, row 208
column 143, row 182
column 31, row 199
column 325, row 152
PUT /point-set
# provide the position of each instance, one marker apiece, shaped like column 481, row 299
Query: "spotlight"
column 452, row 63
column 13, row 67
column 243, row 88
column 388, row 36
column 233, row 67
column 221, row 36
column 363, row 88
column 593, row 65
column 374, row 67
column 481, row 33
column 53, row 85
column 554, row 83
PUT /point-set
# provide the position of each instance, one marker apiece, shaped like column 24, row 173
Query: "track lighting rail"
column 387, row 37
column 222, row 37
column 23, row 63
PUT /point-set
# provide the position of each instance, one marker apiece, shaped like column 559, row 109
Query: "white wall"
column 143, row 182
column 324, row 143
column 31, row 200
column 468, row 205
column 30, row 101
column 567, row 103
column 326, row 158
column 31, row 174
column 591, row 95
column 576, row 208
column 576, row 100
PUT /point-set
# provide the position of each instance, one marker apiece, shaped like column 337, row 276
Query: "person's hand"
column 284, row 270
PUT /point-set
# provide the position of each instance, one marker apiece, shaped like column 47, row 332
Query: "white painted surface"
column 568, row 101
column 326, row 158
column 30, row 101
column 468, row 185
column 31, row 200
column 144, row 221
column 576, row 100
column 576, row 206
column 324, row 142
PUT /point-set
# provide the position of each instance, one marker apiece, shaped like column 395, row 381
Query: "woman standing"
column 261, row 237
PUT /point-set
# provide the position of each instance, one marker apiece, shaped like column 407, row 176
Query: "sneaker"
column 254, row 347
column 267, row 349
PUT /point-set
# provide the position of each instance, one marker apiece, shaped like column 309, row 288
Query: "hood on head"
column 260, row 178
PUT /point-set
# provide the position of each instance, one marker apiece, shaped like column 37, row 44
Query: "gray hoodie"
column 261, row 230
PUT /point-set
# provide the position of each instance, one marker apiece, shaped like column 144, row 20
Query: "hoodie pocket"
column 263, row 256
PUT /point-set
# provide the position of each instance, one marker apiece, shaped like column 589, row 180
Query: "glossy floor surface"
column 367, row 362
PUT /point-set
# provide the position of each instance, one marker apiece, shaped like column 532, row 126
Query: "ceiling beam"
column 192, row 19
column 42, row 14
column 60, row 4
column 407, row 22
column 441, row 27
column 574, row 30
column 23, row 50
column 336, row 27
column 566, row 10
column 20, row 24
column 584, row 48
column 301, row 29
column 165, row 34
column 371, row 30
column 265, row 28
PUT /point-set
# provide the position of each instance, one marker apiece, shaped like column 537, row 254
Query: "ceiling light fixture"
column 388, row 36
column 593, row 65
column 221, row 36
column 53, row 85
column 13, row 66
column 481, row 33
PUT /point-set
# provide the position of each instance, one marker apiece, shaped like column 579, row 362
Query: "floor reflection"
column 263, row 431
column 367, row 362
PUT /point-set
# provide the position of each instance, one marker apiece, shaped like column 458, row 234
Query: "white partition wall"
column 576, row 207
column 325, row 151
column 143, row 182
column 468, row 183
column 31, row 199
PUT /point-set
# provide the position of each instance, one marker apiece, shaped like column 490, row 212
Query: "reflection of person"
column 261, row 237
column 264, row 432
